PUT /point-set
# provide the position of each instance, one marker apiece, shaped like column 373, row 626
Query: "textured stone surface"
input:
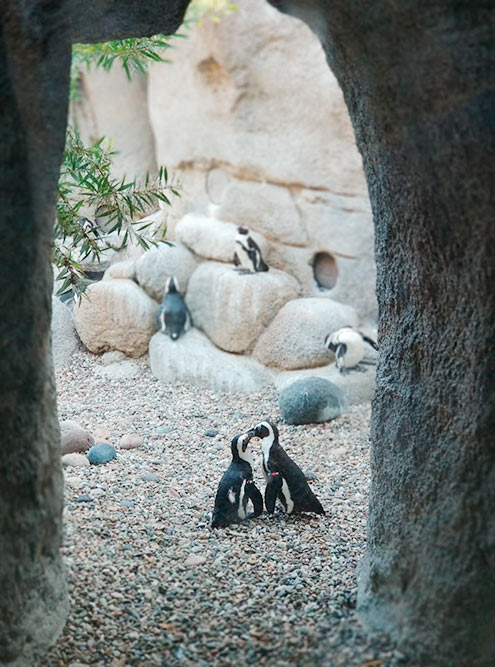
column 211, row 238
column 64, row 336
column 295, row 338
column 116, row 315
column 157, row 264
column 239, row 98
column 232, row 308
column 74, row 438
column 311, row 400
column 131, row 441
column 194, row 359
column 265, row 208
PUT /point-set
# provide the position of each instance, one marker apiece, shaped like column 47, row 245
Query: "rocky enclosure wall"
column 251, row 120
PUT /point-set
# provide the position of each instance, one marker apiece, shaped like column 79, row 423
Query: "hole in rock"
column 325, row 270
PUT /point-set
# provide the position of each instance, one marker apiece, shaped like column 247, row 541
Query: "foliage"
column 86, row 183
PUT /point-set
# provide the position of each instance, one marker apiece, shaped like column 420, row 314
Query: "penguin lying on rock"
column 348, row 346
column 236, row 488
column 173, row 317
column 284, row 479
column 247, row 256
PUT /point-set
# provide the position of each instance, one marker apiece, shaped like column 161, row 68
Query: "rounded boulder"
column 101, row 453
column 311, row 400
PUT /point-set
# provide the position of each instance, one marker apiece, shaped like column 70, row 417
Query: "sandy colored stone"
column 157, row 264
column 119, row 270
column 232, row 308
column 64, row 336
column 131, row 441
column 116, row 315
column 75, row 459
column 74, row 438
column 295, row 338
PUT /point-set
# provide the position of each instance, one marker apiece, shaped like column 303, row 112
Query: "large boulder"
column 295, row 338
column 232, row 308
column 115, row 315
column 311, row 400
column 64, row 337
column 194, row 359
column 211, row 238
column 265, row 208
column 157, row 264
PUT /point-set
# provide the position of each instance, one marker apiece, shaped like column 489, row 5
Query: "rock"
column 150, row 477
column 311, row 400
column 131, row 441
column 101, row 453
column 64, row 337
column 85, row 498
column 121, row 270
column 157, row 264
column 74, row 459
column 115, row 315
column 234, row 309
column 264, row 208
column 194, row 559
column 239, row 98
column 211, row 432
column 194, row 359
column 73, row 438
column 211, row 238
column 357, row 385
column 295, row 338
column 163, row 430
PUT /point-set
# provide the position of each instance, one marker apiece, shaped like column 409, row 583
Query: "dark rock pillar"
column 419, row 82
column 35, row 39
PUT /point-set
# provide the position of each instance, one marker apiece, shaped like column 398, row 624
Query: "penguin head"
column 239, row 447
column 171, row 286
column 243, row 230
column 329, row 342
column 264, row 429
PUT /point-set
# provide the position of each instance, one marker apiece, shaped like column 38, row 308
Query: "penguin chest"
column 237, row 500
column 286, row 497
column 244, row 258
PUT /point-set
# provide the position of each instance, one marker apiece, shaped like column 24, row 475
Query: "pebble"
column 150, row 477
column 211, row 432
column 163, row 430
column 131, row 441
column 75, row 460
column 194, row 559
column 101, row 453
column 85, row 498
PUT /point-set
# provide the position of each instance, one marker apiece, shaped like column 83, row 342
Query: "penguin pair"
column 284, row 479
column 173, row 317
column 237, row 488
column 247, row 256
column 348, row 346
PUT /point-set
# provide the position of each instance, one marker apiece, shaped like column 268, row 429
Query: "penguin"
column 173, row 317
column 247, row 256
column 236, row 488
column 348, row 346
column 284, row 479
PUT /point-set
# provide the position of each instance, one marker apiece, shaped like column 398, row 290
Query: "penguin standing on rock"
column 236, row 488
column 247, row 256
column 348, row 346
column 284, row 479
column 173, row 316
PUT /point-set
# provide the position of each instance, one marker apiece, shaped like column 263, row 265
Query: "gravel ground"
column 152, row 584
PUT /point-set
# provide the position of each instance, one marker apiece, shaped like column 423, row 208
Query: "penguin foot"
column 244, row 272
column 360, row 369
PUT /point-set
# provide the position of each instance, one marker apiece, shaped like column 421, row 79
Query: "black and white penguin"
column 236, row 488
column 348, row 346
column 247, row 255
column 284, row 479
column 173, row 317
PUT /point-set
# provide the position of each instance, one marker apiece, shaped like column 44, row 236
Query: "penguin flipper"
column 237, row 261
column 370, row 341
column 254, row 495
column 340, row 356
column 272, row 490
